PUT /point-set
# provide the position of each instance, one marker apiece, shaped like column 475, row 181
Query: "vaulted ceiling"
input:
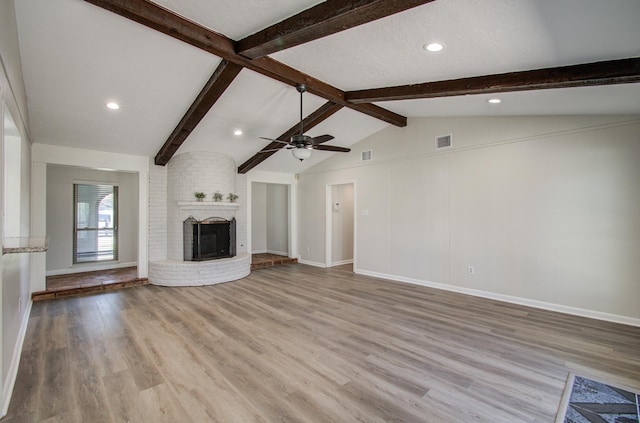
column 187, row 74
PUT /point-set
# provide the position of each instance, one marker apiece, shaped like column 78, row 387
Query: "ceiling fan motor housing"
column 301, row 141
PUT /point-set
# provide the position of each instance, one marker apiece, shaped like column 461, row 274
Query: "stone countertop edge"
column 16, row 250
column 16, row 245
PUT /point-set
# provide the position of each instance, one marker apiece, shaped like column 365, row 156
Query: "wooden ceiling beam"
column 154, row 16
column 610, row 72
column 220, row 80
column 163, row 20
column 324, row 19
column 325, row 111
column 286, row 74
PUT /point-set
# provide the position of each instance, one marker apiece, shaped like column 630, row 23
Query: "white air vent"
column 443, row 141
column 365, row 156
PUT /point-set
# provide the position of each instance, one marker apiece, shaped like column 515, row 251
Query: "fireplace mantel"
column 207, row 205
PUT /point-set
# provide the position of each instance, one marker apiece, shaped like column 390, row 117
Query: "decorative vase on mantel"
column 199, row 196
column 232, row 197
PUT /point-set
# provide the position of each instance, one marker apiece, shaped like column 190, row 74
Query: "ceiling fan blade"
column 271, row 139
column 320, row 139
column 331, row 148
column 274, row 149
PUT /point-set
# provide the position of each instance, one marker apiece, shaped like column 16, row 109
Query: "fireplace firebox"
column 209, row 239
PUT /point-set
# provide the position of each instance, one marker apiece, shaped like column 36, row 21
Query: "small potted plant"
column 199, row 195
column 217, row 196
column 232, row 197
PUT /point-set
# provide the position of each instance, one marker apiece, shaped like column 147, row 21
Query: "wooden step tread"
column 260, row 261
column 67, row 292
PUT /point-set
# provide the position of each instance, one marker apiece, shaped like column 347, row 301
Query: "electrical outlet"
column 308, row 250
column 472, row 270
column 19, row 304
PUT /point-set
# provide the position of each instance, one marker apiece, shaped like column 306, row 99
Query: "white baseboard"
column 324, row 265
column 12, row 374
column 278, row 253
column 90, row 268
column 312, row 263
column 259, row 252
column 592, row 314
column 341, row 262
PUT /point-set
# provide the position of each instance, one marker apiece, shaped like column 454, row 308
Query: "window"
column 95, row 228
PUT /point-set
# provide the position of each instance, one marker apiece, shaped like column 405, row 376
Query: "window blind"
column 95, row 222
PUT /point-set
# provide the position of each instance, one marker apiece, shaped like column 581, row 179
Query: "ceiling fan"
column 301, row 145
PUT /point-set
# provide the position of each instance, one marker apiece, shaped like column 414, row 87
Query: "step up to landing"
column 259, row 261
column 80, row 290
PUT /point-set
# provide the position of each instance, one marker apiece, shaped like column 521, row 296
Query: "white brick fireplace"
column 185, row 174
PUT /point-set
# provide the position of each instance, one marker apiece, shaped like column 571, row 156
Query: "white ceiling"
column 76, row 57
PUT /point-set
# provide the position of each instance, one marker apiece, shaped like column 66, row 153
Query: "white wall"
column 157, row 212
column 258, row 218
column 544, row 208
column 60, row 180
column 12, row 180
column 14, row 268
column 277, row 219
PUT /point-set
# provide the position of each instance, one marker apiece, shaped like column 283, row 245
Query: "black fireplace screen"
column 209, row 239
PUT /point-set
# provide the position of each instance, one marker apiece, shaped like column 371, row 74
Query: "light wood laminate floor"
column 296, row 343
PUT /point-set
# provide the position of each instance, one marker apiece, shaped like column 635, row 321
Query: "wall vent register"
column 443, row 141
column 366, row 156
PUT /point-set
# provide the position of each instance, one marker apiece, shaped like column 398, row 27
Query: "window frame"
column 76, row 230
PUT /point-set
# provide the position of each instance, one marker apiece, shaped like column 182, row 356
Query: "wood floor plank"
column 144, row 371
column 124, row 396
column 300, row 344
column 88, row 391
column 56, row 364
column 30, row 374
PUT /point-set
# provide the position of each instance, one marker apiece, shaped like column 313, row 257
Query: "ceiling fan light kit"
column 301, row 153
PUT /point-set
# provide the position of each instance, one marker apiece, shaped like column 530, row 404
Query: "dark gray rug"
column 589, row 401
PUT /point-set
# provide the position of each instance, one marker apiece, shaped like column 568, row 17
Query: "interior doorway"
column 92, row 220
column 270, row 231
column 341, row 224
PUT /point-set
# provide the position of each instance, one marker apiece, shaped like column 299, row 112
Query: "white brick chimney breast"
column 206, row 172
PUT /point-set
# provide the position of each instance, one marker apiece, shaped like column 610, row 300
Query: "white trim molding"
column 12, row 373
column 341, row 262
column 312, row 263
column 592, row 314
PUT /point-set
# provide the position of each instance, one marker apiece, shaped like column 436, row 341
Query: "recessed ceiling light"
column 237, row 132
column 433, row 47
column 113, row 106
column 494, row 101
